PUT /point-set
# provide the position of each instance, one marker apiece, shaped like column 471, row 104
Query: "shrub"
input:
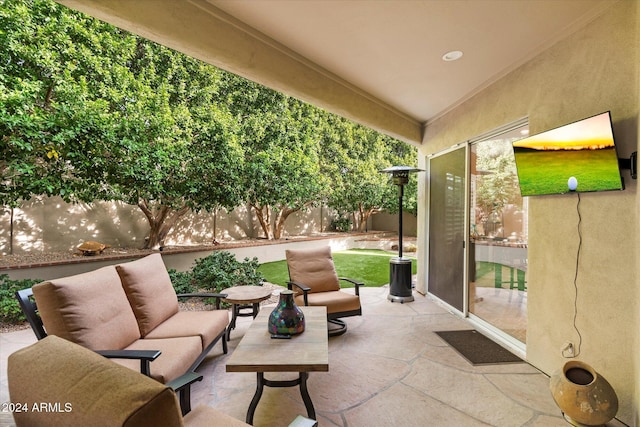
column 341, row 224
column 10, row 311
column 221, row 270
column 181, row 281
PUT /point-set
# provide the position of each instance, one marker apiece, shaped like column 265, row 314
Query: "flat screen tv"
column 577, row 157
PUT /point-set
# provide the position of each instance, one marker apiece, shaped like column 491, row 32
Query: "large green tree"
column 353, row 157
column 178, row 147
column 89, row 112
column 53, row 129
column 282, row 168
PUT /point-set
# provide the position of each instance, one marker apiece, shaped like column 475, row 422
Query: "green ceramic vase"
column 286, row 318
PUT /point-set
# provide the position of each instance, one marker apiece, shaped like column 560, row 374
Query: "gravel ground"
column 10, row 327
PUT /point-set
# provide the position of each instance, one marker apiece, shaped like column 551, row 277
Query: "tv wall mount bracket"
column 631, row 163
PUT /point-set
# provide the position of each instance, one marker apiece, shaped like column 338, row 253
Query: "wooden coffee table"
column 244, row 297
column 302, row 353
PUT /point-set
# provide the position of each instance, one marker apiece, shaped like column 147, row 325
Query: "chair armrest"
column 145, row 357
column 184, row 381
column 217, row 296
column 353, row 282
column 303, row 288
column 182, row 386
column 29, row 308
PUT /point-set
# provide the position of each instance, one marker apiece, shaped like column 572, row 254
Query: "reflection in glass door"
column 498, row 241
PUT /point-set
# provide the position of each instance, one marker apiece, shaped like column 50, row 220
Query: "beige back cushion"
column 313, row 268
column 88, row 389
column 148, row 287
column 90, row 309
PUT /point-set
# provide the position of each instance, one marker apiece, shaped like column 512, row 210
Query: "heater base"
column 400, row 280
column 401, row 300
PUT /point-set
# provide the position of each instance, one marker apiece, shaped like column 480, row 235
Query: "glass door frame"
column 513, row 344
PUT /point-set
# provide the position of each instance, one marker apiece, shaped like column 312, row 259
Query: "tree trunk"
column 362, row 218
column 161, row 221
column 11, row 235
column 364, row 215
column 47, row 99
column 264, row 218
column 215, row 223
column 281, row 217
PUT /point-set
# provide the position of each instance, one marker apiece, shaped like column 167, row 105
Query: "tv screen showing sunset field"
column 578, row 157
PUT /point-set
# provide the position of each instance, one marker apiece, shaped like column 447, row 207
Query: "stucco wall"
column 49, row 224
column 593, row 70
column 389, row 222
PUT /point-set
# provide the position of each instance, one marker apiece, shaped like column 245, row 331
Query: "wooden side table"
column 242, row 298
column 302, row 353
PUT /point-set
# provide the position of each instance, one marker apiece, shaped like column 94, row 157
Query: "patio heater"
column 400, row 267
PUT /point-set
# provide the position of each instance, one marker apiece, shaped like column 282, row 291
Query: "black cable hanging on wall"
column 575, row 280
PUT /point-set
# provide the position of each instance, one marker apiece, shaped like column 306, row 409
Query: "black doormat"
column 478, row 349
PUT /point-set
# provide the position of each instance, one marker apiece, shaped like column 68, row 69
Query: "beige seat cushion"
column 205, row 324
column 335, row 301
column 90, row 309
column 89, row 389
column 313, row 268
column 178, row 354
column 148, row 287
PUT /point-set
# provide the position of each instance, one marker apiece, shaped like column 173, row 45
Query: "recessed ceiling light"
column 452, row 55
column 524, row 132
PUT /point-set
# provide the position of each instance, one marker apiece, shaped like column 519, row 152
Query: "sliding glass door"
column 487, row 213
column 498, row 241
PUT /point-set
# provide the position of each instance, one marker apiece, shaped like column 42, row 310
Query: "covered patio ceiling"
column 378, row 62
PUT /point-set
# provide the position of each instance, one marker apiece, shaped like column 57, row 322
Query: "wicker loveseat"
column 128, row 312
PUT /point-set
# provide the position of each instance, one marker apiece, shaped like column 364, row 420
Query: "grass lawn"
column 594, row 169
column 369, row 266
